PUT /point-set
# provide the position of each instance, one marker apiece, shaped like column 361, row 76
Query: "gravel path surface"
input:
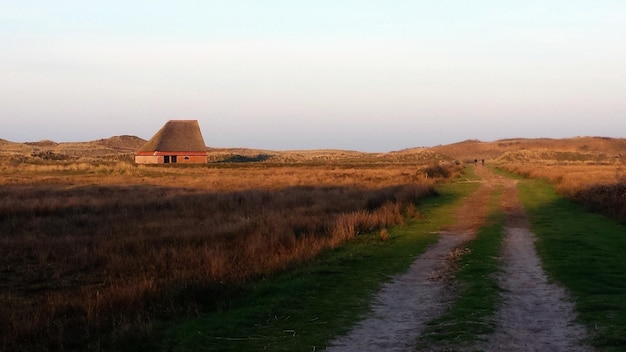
column 404, row 305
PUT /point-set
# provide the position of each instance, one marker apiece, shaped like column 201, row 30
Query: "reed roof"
column 177, row 136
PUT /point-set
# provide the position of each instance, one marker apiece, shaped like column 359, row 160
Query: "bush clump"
column 608, row 199
column 437, row 171
column 49, row 155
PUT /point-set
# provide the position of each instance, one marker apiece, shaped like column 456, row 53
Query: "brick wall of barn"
column 180, row 159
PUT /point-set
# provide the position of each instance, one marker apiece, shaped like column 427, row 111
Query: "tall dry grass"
column 87, row 250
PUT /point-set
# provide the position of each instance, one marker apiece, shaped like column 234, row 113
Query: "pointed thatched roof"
column 176, row 136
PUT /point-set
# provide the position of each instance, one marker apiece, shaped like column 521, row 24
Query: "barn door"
column 166, row 159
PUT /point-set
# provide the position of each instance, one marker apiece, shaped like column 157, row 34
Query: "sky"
column 326, row 74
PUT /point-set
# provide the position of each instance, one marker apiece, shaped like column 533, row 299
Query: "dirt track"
column 536, row 315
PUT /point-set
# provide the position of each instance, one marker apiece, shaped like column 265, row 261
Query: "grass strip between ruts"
column 303, row 309
column 585, row 252
column 478, row 293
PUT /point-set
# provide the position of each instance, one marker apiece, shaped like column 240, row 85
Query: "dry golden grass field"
column 92, row 244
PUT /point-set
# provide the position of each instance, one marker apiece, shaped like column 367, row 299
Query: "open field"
column 93, row 248
column 303, row 309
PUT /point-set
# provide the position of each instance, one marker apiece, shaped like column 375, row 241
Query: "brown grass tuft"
column 384, row 234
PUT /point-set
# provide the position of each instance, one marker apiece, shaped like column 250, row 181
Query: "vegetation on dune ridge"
column 122, row 148
column 547, row 156
column 540, row 150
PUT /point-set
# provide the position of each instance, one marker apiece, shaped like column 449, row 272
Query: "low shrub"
column 608, row 199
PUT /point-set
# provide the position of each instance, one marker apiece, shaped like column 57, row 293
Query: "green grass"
column 507, row 174
column 585, row 252
column 303, row 309
column 471, row 315
column 468, row 174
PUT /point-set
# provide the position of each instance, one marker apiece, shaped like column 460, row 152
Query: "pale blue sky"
column 362, row 75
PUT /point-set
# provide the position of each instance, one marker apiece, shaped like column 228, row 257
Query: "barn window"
column 186, row 158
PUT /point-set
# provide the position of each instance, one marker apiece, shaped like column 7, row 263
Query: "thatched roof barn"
column 179, row 141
